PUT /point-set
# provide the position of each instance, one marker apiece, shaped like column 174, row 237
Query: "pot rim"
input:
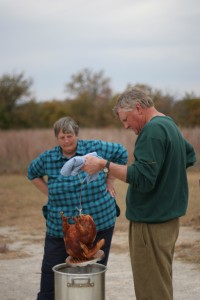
column 58, row 269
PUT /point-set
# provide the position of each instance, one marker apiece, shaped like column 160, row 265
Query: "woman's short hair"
column 66, row 125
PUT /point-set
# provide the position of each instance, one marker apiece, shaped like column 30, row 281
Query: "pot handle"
column 80, row 282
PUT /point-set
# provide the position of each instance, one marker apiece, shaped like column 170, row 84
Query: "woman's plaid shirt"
column 66, row 192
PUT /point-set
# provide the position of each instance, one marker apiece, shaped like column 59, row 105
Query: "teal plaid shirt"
column 66, row 192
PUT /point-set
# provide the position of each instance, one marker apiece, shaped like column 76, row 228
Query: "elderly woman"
column 64, row 192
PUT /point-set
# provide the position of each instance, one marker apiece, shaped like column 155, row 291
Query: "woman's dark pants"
column 55, row 253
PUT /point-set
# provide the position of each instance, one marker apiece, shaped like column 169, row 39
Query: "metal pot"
column 75, row 283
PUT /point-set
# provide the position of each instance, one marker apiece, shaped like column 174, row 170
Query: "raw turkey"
column 79, row 237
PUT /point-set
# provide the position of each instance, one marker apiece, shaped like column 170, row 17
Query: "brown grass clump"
column 189, row 252
column 12, row 254
column 192, row 217
column 3, row 248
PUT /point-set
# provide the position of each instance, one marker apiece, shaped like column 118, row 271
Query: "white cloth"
column 73, row 167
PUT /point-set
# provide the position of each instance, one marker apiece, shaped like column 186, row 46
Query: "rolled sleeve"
column 114, row 152
column 36, row 168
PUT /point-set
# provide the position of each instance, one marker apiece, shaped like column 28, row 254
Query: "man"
column 65, row 192
column 157, row 194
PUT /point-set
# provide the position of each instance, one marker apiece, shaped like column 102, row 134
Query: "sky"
column 153, row 42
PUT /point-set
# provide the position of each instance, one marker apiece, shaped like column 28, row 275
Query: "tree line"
column 89, row 100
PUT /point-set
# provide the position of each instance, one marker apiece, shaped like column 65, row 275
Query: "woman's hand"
column 110, row 185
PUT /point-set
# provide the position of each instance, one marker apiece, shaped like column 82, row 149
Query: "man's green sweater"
column 158, row 187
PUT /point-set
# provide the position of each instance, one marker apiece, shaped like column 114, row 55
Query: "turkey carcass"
column 79, row 237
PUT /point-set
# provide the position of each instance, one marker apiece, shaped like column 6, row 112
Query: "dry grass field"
column 19, row 147
column 21, row 203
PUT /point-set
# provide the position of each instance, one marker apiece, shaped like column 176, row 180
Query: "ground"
column 21, row 262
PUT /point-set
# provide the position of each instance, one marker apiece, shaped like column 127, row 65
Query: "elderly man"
column 157, row 194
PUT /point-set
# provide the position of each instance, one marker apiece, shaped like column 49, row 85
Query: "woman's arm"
column 41, row 185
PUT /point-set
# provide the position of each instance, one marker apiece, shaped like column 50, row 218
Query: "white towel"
column 72, row 167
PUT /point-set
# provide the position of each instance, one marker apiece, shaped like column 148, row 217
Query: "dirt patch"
column 15, row 243
column 189, row 252
column 188, row 246
column 20, row 274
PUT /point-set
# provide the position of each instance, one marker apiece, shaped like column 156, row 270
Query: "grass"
column 21, row 205
column 19, row 147
column 189, row 252
column 192, row 218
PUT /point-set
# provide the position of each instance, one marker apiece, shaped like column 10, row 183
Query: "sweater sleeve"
column 190, row 155
column 143, row 173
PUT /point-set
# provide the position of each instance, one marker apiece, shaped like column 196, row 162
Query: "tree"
column 89, row 83
column 51, row 111
column 187, row 112
column 13, row 90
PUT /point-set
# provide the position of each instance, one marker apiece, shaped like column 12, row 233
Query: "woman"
column 64, row 194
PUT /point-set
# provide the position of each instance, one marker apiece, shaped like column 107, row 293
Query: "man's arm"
column 41, row 185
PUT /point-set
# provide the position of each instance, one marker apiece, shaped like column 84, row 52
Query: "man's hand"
column 93, row 164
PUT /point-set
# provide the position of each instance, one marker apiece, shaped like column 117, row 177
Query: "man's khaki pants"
column 151, row 251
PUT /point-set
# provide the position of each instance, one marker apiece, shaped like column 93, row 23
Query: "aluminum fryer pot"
column 75, row 283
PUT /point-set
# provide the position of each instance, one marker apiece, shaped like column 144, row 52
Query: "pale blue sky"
column 155, row 42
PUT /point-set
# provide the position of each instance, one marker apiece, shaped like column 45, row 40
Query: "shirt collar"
column 80, row 151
